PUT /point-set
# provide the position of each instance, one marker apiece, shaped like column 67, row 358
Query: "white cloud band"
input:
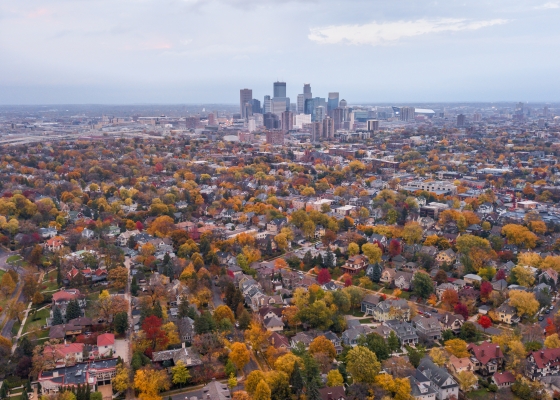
column 376, row 33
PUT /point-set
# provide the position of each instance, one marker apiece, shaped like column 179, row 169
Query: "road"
column 127, row 342
column 4, row 254
column 216, row 295
column 544, row 322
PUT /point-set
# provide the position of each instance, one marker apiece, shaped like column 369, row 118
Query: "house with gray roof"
column 404, row 330
column 438, row 379
column 391, row 309
column 427, row 328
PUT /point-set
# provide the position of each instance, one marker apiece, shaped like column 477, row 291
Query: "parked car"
column 541, row 318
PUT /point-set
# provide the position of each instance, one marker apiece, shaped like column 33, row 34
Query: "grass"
column 13, row 258
column 387, row 291
column 49, row 281
column 405, row 295
column 366, row 321
column 33, row 323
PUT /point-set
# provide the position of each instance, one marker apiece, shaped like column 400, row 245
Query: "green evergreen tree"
column 88, row 392
column 329, row 260
column 296, row 380
column 158, row 311
column 376, row 271
column 308, row 259
column 57, row 317
column 393, row 342
column 73, row 310
column 121, row 322
column 134, row 286
column 312, row 391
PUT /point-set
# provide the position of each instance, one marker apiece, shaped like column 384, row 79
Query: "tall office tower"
column 278, row 106
column 275, row 138
column 461, row 120
column 328, row 128
column 320, row 114
column 293, row 108
column 373, row 125
column 545, row 111
column 338, row 118
column 406, row 113
column 245, row 96
column 343, row 103
column 266, row 104
column 316, row 131
column 251, row 124
column 287, row 121
column 332, row 102
column 477, row 117
column 301, row 119
column 279, row 89
column 271, row 121
column 300, row 103
column 307, row 91
column 255, row 106
column 211, row 118
column 312, row 104
column 540, row 123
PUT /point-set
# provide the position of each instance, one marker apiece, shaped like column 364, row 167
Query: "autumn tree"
column 239, row 355
column 372, row 252
column 439, row 356
column 149, row 382
column 180, row 374
column 119, row 277
column 223, row 312
column 524, row 302
column 457, row 347
column 121, row 381
column 362, row 364
column 262, row 391
column 466, row 380
column 322, row 345
column 520, row 235
column 450, row 298
column 324, row 276
column 7, row 285
column 161, row 226
column 552, row 341
column 412, row 232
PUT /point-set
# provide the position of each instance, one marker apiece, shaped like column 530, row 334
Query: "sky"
column 204, row 51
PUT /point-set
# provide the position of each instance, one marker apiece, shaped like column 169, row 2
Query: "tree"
column 457, row 347
column 149, row 382
column 484, row 322
column 239, row 355
column 438, row 356
column 121, row 381
column 461, row 309
column 152, row 327
column 296, row 380
column 38, row 298
column 519, row 235
column 523, row 275
column 180, row 373
column 262, row 391
column 73, row 310
column 286, row 363
column 223, row 312
column 121, row 322
column 485, row 290
column 7, row 285
column 232, row 381
column 422, row 285
column 376, row 343
column 552, row 341
column 15, row 309
column 119, row 277
column 353, row 249
column 334, row 378
column 372, row 252
column 362, row 364
column 161, row 226
column 30, row 285
column 393, row 342
column 450, row 298
column 322, row 345
column 412, row 232
column 256, row 336
column 324, row 276
column 524, row 302
column 466, row 380
column 57, row 317
column 415, row 354
column 441, row 277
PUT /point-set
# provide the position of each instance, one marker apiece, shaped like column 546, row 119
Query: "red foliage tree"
column 139, row 226
column 159, row 167
column 461, row 309
column 348, row 282
column 550, row 328
column 501, row 274
column 324, row 276
column 152, row 328
column 394, row 248
column 485, row 290
column 485, row 322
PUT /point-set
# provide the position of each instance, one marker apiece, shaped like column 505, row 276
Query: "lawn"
column 36, row 320
column 49, row 282
column 13, row 259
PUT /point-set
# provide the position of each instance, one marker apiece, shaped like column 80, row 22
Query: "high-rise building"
column 406, row 113
column 328, row 128
column 301, row 119
column 312, row 104
column 373, row 125
column 343, row 103
column 266, row 104
column 332, row 102
column 300, row 103
column 275, row 138
column 287, row 121
column 245, row 97
column 255, row 106
column 279, row 89
column 271, row 121
column 545, row 111
column 278, row 106
column 316, row 131
column 211, row 118
column 307, row 91
column 338, row 118
column 191, row 122
column 477, row 117
column 320, row 113
column 461, row 120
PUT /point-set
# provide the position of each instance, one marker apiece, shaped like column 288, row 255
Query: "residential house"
column 438, row 378
column 106, row 345
column 93, row 373
column 450, row 321
column 335, row 340
column 446, row 257
column 185, row 327
column 403, row 280
column 427, row 328
column 279, row 341
column 276, row 225
column 351, row 335
column 169, row 358
column 421, row 389
column 507, row 313
column 487, row 357
column 369, row 303
column 456, row 365
column 392, row 309
column 65, row 354
column 387, row 275
column 355, row 264
column 332, row 393
column 544, row 362
column 404, row 330
column 503, row 379
column 55, row 243
column 440, row 289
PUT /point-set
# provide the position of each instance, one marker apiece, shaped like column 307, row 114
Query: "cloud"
column 548, row 6
column 380, row 33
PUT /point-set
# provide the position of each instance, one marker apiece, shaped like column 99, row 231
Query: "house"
column 332, row 393
column 446, row 257
column 443, row 287
column 279, row 341
column 450, row 321
column 437, row 378
column 507, row 313
column 500, row 285
column 355, row 264
column 335, row 340
column 503, row 379
column 185, row 327
column 403, row 280
column 65, row 354
column 93, row 373
column 421, row 389
column 391, row 309
column 369, row 303
column 276, row 225
column 456, row 365
column 47, row 233
column 472, row 278
column 106, row 344
column 55, row 243
column 487, row 357
column 427, row 328
column 273, row 324
column 215, row 391
column 543, row 362
column 404, row 330
column 170, row 357
column 387, row 275
column 350, row 336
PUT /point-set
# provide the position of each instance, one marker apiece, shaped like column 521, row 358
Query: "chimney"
column 482, row 353
column 542, row 354
column 498, row 351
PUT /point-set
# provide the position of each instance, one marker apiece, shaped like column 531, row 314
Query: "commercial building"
column 373, row 125
column 461, row 119
column 287, row 121
column 332, row 102
column 245, row 97
column 279, row 89
column 406, row 113
column 275, row 138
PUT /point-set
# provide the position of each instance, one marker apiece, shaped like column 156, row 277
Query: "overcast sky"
column 200, row 51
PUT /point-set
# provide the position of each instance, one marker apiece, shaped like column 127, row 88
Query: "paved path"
column 40, row 280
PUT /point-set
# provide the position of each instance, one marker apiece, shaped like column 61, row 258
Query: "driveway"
column 121, row 349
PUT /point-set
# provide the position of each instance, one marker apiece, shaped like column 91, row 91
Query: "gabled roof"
column 106, row 339
column 485, row 352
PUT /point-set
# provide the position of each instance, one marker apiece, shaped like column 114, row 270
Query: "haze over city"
column 192, row 51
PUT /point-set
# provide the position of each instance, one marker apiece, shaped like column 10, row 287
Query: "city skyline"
column 57, row 52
